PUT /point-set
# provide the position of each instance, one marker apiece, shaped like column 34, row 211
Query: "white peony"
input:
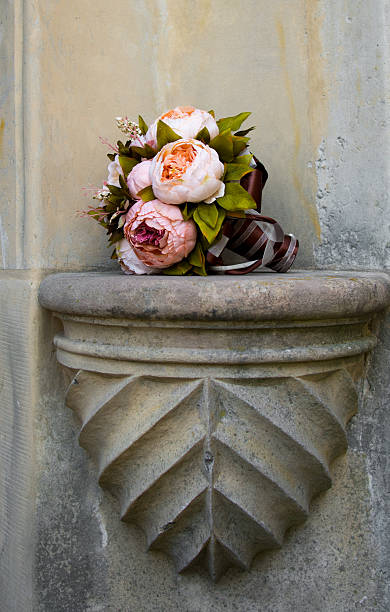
column 187, row 170
column 186, row 121
column 114, row 170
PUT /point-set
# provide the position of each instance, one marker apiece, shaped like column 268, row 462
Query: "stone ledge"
column 255, row 297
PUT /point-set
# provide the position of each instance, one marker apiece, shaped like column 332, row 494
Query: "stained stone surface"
column 315, row 73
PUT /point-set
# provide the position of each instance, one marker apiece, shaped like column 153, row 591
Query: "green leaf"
column 116, row 191
column 178, row 269
column 203, row 135
column 111, row 156
column 142, row 125
column 223, row 144
column 244, row 159
column 125, row 189
column 146, row 194
column 127, row 163
column 236, row 214
column 245, row 132
column 206, row 230
column 235, row 172
column 115, row 237
column 232, row 123
column 221, row 218
column 146, row 151
column 196, row 257
column 208, row 213
column 150, row 152
column 199, row 271
column 211, row 112
column 165, row 134
column 239, row 144
column 201, row 219
column 236, row 198
column 188, row 210
column 116, row 200
column 123, row 149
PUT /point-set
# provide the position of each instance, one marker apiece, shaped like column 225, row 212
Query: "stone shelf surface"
column 300, row 294
column 214, row 407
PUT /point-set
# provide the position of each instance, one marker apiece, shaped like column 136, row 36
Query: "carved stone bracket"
column 214, row 407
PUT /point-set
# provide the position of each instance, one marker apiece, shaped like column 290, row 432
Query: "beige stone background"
column 314, row 73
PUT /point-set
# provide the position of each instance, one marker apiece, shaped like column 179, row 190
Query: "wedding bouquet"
column 183, row 196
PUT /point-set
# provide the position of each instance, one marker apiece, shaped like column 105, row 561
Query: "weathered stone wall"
column 315, row 75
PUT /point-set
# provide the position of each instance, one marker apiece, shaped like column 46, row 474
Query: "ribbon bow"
column 259, row 240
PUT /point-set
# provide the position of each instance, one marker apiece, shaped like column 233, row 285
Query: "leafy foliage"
column 146, row 194
column 142, row 125
column 145, row 151
column 234, row 172
column 178, row 269
column 245, row 132
column 127, row 163
column 188, row 210
column 124, row 149
column 223, row 144
column 232, row 123
column 239, row 144
column 209, row 219
column 203, row 135
column 236, row 198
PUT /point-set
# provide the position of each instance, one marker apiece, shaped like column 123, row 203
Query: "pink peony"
column 158, row 234
column 139, row 177
column 186, row 121
column 187, row 170
column 129, row 261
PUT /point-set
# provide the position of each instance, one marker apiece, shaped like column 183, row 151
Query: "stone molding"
column 213, row 408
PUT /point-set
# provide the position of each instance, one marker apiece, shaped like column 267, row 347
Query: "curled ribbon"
column 259, row 240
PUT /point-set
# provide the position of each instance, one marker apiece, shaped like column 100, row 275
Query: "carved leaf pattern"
column 213, row 470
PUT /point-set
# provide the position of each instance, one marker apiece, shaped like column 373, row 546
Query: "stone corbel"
column 213, row 408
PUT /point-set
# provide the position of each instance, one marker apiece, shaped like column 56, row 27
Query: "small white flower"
column 131, row 129
column 102, row 194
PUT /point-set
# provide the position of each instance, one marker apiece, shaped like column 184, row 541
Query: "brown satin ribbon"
column 255, row 181
column 280, row 248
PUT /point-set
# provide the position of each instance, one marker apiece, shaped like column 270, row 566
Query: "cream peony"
column 187, row 171
column 186, row 121
column 158, row 234
column 139, row 177
column 114, row 170
column 129, row 261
